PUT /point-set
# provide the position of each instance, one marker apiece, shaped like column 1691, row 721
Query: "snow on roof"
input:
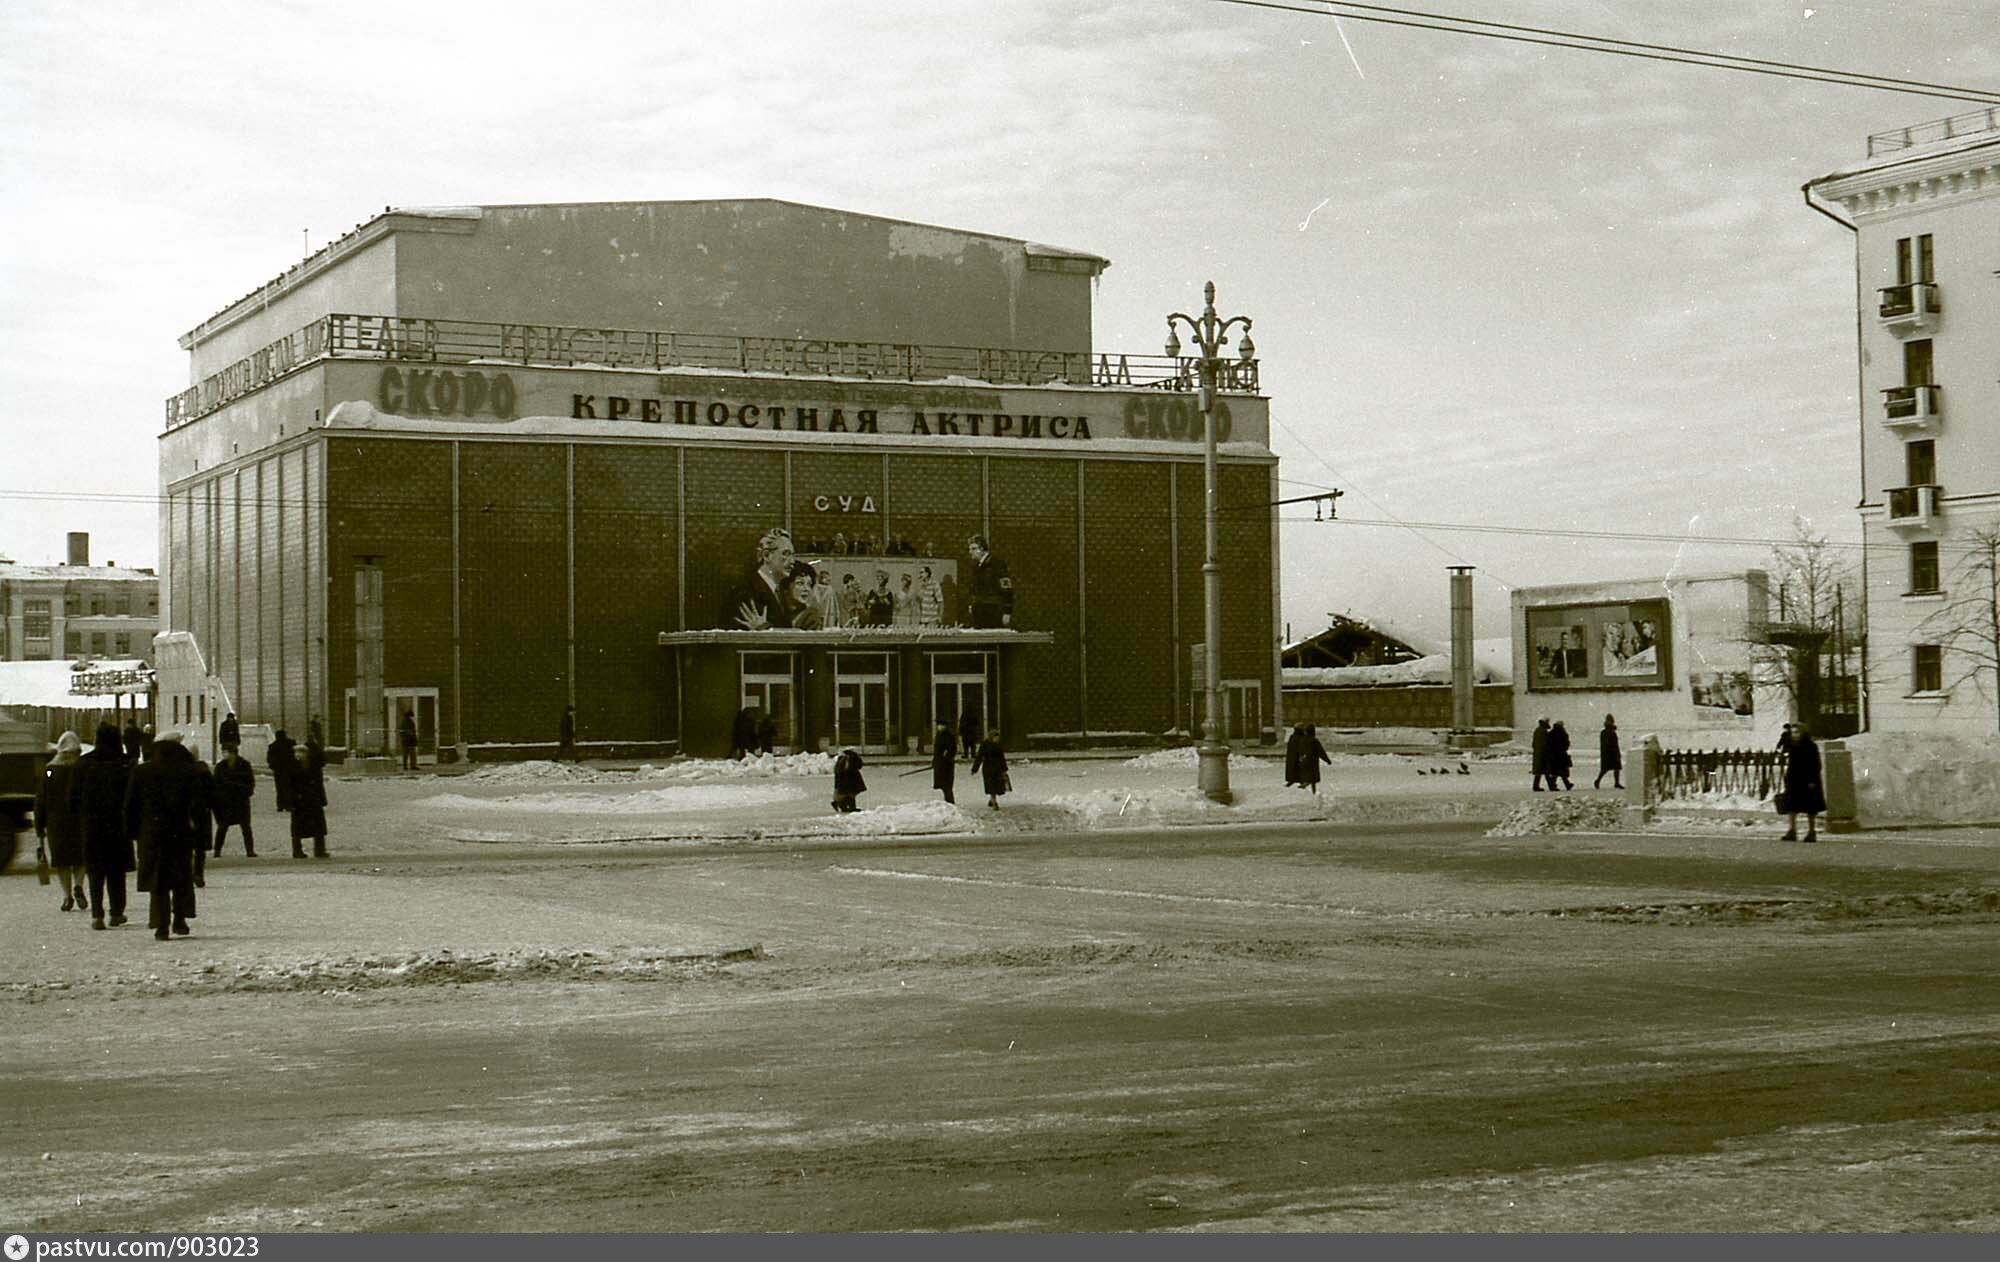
column 19, row 572
column 46, row 685
column 1492, row 663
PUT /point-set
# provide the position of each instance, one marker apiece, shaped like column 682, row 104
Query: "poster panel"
column 1720, row 695
column 862, row 585
column 1622, row 645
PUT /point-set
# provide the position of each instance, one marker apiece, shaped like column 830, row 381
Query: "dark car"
column 23, row 754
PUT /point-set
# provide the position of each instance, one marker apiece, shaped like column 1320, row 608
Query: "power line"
column 1580, row 42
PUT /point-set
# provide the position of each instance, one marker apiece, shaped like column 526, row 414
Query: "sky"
column 1493, row 285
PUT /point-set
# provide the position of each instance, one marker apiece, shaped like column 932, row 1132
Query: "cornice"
column 1899, row 185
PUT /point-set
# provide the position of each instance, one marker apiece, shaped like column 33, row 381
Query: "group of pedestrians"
column 988, row 759
column 151, row 808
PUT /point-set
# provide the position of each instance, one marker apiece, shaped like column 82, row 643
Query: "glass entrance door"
column 767, row 687
column 862, row 717
column 958, row 695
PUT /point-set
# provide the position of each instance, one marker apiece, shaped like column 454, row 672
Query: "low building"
column 77, row 610
column 1682, row 657
column 668, row 462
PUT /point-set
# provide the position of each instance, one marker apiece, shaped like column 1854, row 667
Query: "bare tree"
column 1820, row 615
column 1967, row 627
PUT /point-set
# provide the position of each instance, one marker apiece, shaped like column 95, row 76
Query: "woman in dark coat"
column 309, row 802
column 165, row 811
column 991, row 763
column 1804, row 793
column 97, row 794
column 1311, row 755
column 57, row 825
column 1539, row 759
column 284, row 764
column 1294, row 744
column 847, row 782
column 944, row 761
column 1608, row 756
column 1555, row 754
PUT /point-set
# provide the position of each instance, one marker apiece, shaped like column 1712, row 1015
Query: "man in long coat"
column 1539, row 758
column 97, row 793
column 165, row 810
column 235, row 784
column 283, row 763
column 944, row 757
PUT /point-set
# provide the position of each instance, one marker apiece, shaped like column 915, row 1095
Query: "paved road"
column 1268, row 1028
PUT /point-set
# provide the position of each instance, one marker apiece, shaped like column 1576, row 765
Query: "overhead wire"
column 1581, row 42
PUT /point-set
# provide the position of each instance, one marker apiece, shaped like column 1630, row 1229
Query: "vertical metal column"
column 1461, row 651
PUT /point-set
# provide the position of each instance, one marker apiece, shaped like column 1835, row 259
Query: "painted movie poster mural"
column 1620, row 645
column 1721, row 694
column 854, row 583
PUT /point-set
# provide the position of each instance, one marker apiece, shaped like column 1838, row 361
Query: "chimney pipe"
column 79, row 547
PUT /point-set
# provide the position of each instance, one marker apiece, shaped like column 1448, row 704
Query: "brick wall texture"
column 262, row 558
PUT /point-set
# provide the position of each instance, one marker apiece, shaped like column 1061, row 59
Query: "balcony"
column 1909, row 308
column 1914, row 507
column 1911, row 409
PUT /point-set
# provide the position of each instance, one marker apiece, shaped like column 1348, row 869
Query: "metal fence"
column 1930, row 133
column 409, row 339
column 1692, row 773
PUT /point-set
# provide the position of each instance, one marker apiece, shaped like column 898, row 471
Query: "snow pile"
column 1907, row 777
column 542, row 771
column 1561, row 813
column 707, row 770
column 904, row 818
column 1179, row 758
column 694, row 797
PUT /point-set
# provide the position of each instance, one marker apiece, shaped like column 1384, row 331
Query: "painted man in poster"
column 989, row 588
column 759, row 601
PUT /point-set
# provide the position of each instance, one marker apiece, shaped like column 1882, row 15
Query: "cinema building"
column 668, row 461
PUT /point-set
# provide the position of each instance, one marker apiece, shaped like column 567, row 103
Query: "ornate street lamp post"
column 1211, row 334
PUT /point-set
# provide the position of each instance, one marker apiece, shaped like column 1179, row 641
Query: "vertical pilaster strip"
column 278, row 550
column 1082, row 616
column 457, row 630
column 570, row 538
column 1174, row 587
column 681, row 591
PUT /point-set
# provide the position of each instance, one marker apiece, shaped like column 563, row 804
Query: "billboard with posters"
column 1622, row 645
column 813, row 591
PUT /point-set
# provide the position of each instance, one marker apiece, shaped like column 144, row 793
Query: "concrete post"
column 1642, row 780
column 1462, row 717
column 1837, row 778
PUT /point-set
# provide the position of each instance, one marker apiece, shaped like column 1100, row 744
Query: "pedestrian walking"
column 204, row 819
column 1609, row 758
column 944, row 758
column 968, row 733
column 230, row 734
column 309, row 802
column 163, row 808
column 97, row 796
column 1294, row 746
column 566, row 735
column 57, row 828
column 1311, row 755
column 847, row 782
column 408, row 735
column 284, row 764
column 1805, row 794
column 991, row 763
column 1539, row 757
column 235, row 785
column 134, row 741
column 767, row 732
column 743, row 733
column 1556, row 753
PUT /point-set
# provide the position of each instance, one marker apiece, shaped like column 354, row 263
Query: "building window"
column 1914, row 264
column 1927, row 668
column 122, row 605
column 72, row 643
column 122, row 645
column 1920, row 462
column 36, row 622
column 97, row 605
column 1923, row 567
column 72, row 605
column 1919, row 369
column 98, row 647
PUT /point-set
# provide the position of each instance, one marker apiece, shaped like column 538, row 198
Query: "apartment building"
column 76, row 609
column 1924, row 210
